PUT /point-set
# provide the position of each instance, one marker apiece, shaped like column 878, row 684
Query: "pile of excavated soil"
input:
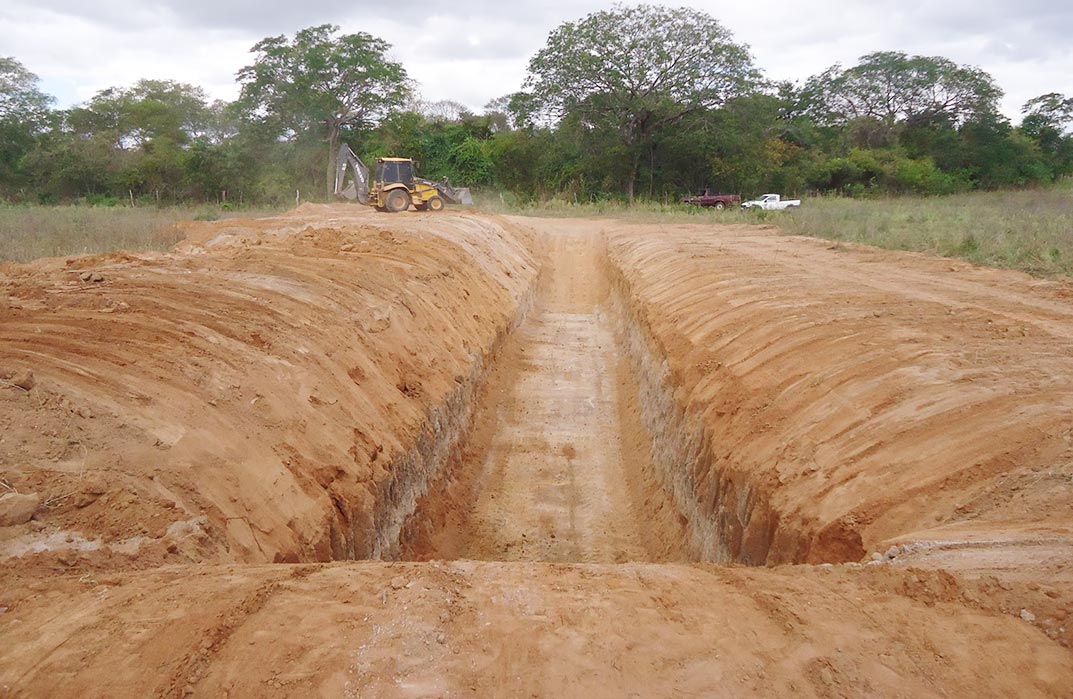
column 249, row 397
column 864, row 398
column 837, row 404
column 187, row 440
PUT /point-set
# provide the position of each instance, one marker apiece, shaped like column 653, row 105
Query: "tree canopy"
column 20, row 98
column 636, row 70
column 320, row 82
column 641, row 101
column 149, row 111
column 1050, row 111
column 24, row 114
column 891, row 86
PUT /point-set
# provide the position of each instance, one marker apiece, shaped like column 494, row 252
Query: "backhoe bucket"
column 357, row 185
column 460, row 195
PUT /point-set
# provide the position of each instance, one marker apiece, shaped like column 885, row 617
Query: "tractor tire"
column 436, row 204
column 397, row 200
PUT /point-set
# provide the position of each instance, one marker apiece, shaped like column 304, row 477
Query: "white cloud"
column 479, row 50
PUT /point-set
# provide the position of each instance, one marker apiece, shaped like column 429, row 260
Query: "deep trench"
column 568, row 444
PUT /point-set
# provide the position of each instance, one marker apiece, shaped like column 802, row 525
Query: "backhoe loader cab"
column 394, row 187
column 395, row 170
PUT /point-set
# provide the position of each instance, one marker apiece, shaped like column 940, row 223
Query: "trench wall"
column 727, row 512
column 805, row 409
column 278, row 389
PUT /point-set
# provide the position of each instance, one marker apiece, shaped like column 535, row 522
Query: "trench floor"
column 560, row 457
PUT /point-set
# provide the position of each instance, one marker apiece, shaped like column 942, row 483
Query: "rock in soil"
column 24, row 380
column 18, row 508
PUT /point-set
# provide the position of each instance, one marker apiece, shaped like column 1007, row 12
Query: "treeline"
column 644, row 101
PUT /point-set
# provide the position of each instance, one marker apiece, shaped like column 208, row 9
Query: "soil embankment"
column 275, row 390
column 850, row 399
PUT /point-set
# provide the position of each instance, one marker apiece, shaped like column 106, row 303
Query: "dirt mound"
column 848, row 399
column 262, row 394
column 523, row 629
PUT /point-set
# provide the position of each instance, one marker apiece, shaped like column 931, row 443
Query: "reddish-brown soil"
column 576, row 461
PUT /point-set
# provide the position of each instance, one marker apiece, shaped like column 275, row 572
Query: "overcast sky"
column 480, row 49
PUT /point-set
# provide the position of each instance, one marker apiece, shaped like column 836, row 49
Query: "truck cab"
column 771, row 202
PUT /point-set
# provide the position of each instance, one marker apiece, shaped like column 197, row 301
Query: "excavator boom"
column 358, row 185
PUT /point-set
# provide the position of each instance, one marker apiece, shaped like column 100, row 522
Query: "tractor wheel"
column 397, row 200
column 436, row 204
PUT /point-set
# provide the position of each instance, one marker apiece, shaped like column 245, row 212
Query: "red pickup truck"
column 718, row 201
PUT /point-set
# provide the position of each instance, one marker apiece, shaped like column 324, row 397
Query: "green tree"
column 149, row 128
column 891, row 87
column 24, row 116
column 995, row 155
column 1047, row 121
column 320, row 82
column 638, row 70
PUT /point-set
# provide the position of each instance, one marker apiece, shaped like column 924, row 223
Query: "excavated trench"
column 575, row 447
column 452, row 403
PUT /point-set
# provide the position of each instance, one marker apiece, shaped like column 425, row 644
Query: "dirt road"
column 885, row 439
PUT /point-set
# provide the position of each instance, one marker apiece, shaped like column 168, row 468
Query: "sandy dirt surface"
column 247, row 398
column 554, row 470
column 519, row 629
column 873, row 404
column 191, row 436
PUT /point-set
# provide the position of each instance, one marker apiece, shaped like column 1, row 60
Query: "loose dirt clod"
column 24, row 380
column 18, row 508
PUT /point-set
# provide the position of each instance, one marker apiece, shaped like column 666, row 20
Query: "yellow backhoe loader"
column 393, row 187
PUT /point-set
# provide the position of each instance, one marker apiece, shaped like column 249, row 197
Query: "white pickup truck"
column 771, row 202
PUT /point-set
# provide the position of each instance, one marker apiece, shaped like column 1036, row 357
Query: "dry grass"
column 640, row 212
column 1027, row 230
column 1030, row 230
column 30, row 232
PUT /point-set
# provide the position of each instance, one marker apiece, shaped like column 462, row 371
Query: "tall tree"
column 891, row 87
column 1048, row 120
column 24, row 114
column 321, row 82
column 149, row 111
column 1050, row 111
column 638, row 70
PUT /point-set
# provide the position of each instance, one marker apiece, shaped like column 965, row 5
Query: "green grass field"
column 30, row 232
